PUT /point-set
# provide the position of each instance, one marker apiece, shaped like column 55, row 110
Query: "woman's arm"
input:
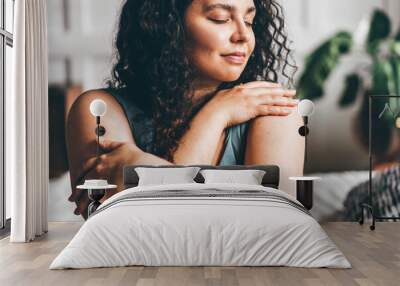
column 81, row 143
column 198, row 145
column 202, row 143
column 275, row 141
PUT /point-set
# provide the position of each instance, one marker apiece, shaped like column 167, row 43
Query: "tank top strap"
column 140, row 123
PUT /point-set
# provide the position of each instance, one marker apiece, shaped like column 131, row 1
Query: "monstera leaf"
column 380, row 75
column 384, row 72
column 383, row 84
column 395, row 78
column 379, row 30
column 397, row 37
column 321, row 63
column 385, row 81
column 353, row 84
column 395, row 48
column 395, row 61
column 381, row 129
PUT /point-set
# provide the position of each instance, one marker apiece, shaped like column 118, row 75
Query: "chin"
column 228, row 74
column 231, row 73
column 230, row 77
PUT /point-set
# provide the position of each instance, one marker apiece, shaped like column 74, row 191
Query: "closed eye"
column 220, row 21
column 227, row 20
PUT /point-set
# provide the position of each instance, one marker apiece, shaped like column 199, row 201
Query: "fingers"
column 266, row 86
column 264, row 110
column 277, row 100
column 270, row 91
column 260, row 83
column 93, row 169
column 103, row 169
column 88, row 165
column 109, row 145
column 82, row 205
column 82, row 202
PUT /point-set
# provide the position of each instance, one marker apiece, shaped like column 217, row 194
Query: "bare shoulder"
column 275, row 140
column 284, row 123
column 82, row 103
column 81, row 123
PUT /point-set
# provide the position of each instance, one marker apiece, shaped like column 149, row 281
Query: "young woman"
column 195, row 82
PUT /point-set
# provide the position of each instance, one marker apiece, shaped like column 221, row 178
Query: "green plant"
column 383, row 75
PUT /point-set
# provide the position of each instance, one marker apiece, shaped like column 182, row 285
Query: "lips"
column 235, row 58
column 236, row 54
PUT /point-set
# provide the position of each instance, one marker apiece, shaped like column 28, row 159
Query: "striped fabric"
column 385, row 195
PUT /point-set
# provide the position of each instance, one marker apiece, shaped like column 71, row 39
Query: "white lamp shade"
column 98, row 107
column 305, row 107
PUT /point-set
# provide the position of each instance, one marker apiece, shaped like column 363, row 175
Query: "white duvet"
column 233, row 230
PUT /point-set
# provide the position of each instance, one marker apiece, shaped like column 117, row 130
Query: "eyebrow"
column 226, row 7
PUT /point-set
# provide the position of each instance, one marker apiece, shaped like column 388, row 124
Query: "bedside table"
column 304, row 190
column 96, row 190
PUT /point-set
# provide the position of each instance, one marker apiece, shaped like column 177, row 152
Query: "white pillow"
column 249, row 177
column 161, row 176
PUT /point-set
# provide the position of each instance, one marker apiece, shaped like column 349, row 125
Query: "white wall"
column 87, row 42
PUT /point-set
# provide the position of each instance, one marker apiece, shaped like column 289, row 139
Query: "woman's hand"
column 247, row 101
column 115, row 156
column 110, row 166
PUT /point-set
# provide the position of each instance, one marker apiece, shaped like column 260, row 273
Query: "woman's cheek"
column 253, row 43
column 208, row 38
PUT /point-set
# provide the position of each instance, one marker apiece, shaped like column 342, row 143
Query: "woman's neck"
column 202, row 88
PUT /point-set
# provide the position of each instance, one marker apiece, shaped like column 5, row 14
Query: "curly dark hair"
column 152, row 65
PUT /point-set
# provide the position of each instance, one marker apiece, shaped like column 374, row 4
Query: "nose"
column 241, row 33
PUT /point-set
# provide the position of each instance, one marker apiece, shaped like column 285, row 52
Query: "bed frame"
column 270, row 179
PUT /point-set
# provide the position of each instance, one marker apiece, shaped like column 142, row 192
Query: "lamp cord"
column 98, row 138
column 305, row 148
column 305, row 121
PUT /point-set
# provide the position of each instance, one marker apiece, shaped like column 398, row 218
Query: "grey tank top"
column 142, row 131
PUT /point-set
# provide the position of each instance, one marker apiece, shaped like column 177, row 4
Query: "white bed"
column 251, row 225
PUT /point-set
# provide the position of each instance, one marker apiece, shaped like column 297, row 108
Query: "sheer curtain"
column 27, row 123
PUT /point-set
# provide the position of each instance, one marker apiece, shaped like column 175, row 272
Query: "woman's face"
column 220, row 37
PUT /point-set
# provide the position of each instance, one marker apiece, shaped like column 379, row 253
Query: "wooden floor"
column 375, row 257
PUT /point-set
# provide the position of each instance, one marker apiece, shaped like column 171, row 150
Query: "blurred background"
column 336, row 71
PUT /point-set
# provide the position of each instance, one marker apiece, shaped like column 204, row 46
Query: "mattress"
column 201, row 225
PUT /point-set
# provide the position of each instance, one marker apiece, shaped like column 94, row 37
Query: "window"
column 6, row 45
